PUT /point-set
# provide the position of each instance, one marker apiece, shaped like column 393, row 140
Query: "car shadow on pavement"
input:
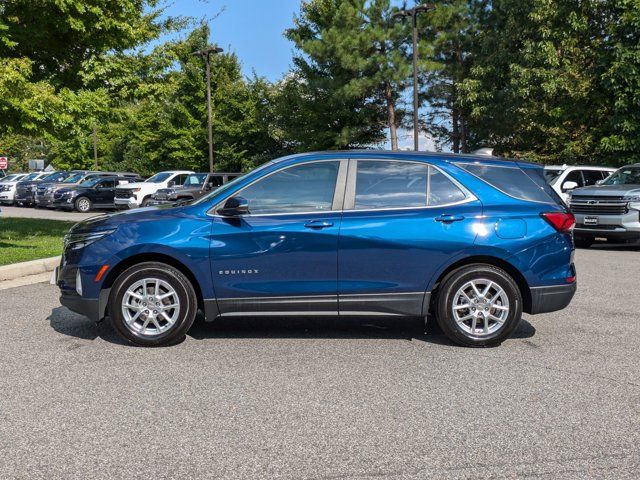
column 71, row 324
column 384, row 328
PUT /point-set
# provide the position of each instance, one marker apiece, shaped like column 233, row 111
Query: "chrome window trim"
column 212, row 211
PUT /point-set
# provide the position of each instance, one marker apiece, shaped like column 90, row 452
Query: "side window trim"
column 350, row 193
column 338, row 194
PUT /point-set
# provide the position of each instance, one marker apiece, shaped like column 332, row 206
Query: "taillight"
column 561, row 221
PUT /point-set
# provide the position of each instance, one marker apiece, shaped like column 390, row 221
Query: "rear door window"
column 390, row 184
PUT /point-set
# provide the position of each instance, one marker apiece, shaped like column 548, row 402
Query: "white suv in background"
column 565, row 178
column 133, row 195
column 8, row 187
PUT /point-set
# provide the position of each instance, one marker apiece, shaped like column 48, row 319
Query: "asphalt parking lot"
column 328, row 399
column 47, row 213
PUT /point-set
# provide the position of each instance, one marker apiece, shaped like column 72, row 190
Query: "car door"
column 402, row 220
column 281, row 258
column 105, row 191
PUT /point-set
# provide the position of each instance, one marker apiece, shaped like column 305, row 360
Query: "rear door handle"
column 449, row 218
column 318, row 224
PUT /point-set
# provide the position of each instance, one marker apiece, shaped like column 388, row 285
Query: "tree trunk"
column 455, row 127
column 463, row 134
column 391, row 117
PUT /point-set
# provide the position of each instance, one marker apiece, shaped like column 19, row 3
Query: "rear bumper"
column 551, row 299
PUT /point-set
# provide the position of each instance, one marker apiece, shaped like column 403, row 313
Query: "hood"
column 606, row 190
column 114, row 220
column 128, row 186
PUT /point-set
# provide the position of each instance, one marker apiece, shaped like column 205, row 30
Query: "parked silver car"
column 609, row 210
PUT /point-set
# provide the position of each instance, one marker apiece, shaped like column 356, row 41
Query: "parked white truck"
column 133, row 195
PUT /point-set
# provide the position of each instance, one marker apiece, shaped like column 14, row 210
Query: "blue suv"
column 474, row 241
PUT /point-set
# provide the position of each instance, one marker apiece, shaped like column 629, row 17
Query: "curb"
column 24, row 269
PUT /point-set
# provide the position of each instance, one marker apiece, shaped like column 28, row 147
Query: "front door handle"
column 449, row 218
column 318, row 224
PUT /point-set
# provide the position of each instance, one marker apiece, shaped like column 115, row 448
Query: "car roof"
column 413, row 155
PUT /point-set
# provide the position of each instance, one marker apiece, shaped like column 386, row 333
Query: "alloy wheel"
column 480, row 307
column 150, row 307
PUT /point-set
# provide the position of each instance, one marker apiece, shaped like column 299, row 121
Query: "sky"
column 253, row 29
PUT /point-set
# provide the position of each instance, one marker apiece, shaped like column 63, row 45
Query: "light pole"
column 413, row 13
column 206, row 54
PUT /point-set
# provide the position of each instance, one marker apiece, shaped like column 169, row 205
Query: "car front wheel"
column 478, row 305
column 152, row 304
column 83, row 205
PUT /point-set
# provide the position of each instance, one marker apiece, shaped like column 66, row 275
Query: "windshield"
column 195, row 180
column 91, row 182
column 31, row 176
column 624, row 176
column 76, row 177
column 159, row 177
column 551, row 175
column 55, row 177
column 8, row 178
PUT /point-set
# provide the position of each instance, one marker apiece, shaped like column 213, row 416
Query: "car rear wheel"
column 152, row 304
column 83, row 205
column 478, row 305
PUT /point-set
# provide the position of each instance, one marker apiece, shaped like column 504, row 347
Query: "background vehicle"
column 44, row 189
column 139, row 194
column 97, row 191
column 474, row 240
column 195, row 186
column 23, row 186
column 565, row 178
column 610, row 210
column 8, row 188
column 75, row 178
column 26, row 192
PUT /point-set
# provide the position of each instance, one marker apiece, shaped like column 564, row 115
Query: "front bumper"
column 154, row 202
column 45, row 200
column 63, row 203
column 611, row 227
column 7, row 197
column 93, row 308
column 130, row 202
column 26, row 199
column 551, row 299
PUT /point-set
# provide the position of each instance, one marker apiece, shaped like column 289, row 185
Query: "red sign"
column 4, row 163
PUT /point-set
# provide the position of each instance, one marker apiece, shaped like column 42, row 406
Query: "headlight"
column 75, row 241
column 632, row 198
column 49, row 190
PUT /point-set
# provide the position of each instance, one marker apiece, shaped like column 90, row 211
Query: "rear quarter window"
column 525, row 184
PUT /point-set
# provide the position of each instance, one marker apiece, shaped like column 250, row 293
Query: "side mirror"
column 171, row 184
column 567, row 186
column 234, row 207
column 599, row 182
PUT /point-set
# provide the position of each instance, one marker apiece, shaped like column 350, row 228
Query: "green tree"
column 351, row 72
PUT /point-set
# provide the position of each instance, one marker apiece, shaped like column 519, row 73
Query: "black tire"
column 446, row 296
column 145, row 202
column 177, row 280
column 583, row 242
column 83, row 204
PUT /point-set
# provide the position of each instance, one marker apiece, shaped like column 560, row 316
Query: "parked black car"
column 97, row 191
column 26, row 188
column 45, row 193
column 195, row 186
